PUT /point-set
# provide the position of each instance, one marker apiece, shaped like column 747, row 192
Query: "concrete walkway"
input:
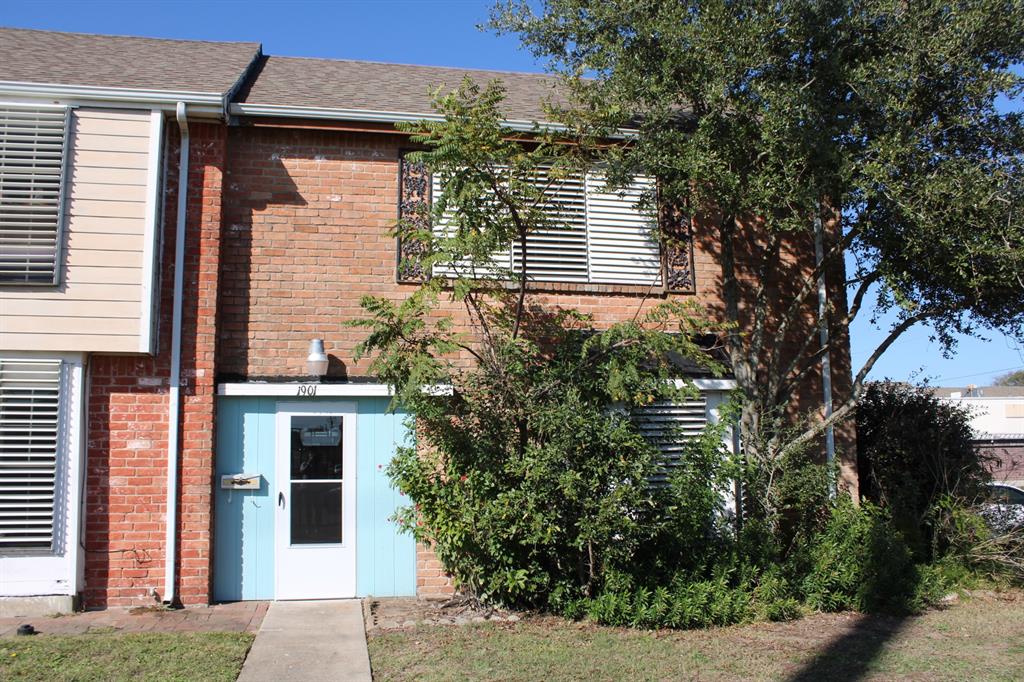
column 309, row 640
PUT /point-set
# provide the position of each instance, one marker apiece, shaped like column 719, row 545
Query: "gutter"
column 200, row 103
column 369, row 116
column 174, row 394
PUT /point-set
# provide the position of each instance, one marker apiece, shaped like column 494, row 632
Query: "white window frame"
column 59, row 569
column 59, row 227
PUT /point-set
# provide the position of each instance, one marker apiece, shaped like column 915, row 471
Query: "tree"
column 1010, row 379
column 529, row 477
column 873, row 122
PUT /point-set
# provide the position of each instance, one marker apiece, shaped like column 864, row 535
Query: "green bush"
column 530, row 479
column 860, row 561
column 914, row 452
column 685, row 604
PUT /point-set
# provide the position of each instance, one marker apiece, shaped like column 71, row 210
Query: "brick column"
column 126, row 492
column 199, row 346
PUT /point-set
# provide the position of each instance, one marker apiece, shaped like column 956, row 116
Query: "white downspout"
column 174, row 394
column 826, row 359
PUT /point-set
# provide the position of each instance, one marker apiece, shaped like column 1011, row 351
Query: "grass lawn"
column 979, row 639
column 137, row 656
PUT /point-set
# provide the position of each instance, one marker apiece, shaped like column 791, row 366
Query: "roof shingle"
column 122, row 61
column 379, row 87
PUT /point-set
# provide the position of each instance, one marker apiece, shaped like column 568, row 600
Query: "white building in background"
column 998, row 421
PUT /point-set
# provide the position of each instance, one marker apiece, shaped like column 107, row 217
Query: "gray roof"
column 399, row 88
column 122, row 61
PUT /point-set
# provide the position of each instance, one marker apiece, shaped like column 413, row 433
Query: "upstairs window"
column 30, row 395
column 597, row 236
column 33, row 148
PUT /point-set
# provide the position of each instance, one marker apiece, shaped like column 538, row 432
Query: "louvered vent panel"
column 446, row 229
column 594, row 235
column 32, row 147
column 29, row 421
column 558, row 253
column 623, row 244
column 668, row 425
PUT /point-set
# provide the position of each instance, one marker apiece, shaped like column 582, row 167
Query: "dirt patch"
column 400, row 613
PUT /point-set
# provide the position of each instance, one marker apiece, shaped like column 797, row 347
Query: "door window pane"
column 316, row 513
column 316, row 448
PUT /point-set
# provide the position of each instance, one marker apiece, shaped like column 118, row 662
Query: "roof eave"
column 369, row 116
column 200, row 103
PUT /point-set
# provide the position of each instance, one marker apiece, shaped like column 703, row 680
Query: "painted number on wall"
column 308, row 390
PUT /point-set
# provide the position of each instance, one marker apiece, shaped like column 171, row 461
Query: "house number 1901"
column 308, row 390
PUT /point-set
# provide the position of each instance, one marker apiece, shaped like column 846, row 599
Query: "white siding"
column 102, row 301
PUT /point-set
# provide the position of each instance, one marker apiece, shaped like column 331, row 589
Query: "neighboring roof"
column 46, row 57
column 979, row 391
column 377, row 87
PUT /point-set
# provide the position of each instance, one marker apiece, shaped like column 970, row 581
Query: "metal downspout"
column 174, row 394
column 826, row 359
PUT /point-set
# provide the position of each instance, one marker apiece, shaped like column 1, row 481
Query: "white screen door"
column 315, row 498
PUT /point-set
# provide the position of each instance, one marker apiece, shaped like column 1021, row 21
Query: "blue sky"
column 443, row 33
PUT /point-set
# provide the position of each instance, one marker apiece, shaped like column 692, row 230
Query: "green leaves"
column 885, row 111
column 528, row 477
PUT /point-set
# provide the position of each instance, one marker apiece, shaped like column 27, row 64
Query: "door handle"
column 280, row 500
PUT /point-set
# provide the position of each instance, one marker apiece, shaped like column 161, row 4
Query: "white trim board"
column 712, row 384
column 371, row 116
column 208, row 103
column 311, row 389
column 149, row 241
column 304, row 389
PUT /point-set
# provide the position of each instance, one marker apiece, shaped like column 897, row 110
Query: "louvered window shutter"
column 446, row 229
column 30, row 392
column 32, row 153
column 596, row 235
column 624, row 247
column 668, row 425
column 558, row 253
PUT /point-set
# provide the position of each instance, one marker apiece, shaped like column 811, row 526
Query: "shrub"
column 913, row 451
column 684, row 604
column 529, row 479
column 860, row 561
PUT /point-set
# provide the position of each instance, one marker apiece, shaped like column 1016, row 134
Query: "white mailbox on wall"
column 240, row 481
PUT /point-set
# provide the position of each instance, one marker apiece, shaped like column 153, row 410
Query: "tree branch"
column 844, row 410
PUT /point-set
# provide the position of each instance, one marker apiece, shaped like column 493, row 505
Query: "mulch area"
column 233, row 617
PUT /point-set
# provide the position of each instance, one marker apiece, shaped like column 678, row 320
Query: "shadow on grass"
column 849, row 657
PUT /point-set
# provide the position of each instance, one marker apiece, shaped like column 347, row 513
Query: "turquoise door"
column 243, row 552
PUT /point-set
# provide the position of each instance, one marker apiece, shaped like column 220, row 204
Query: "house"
column 997, row 417
column 173, row 237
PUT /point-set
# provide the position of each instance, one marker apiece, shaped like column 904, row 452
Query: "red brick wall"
column 307, row 223
column 128, row 404
column 306, row 233
column 431, row 580
column 1007, row 459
